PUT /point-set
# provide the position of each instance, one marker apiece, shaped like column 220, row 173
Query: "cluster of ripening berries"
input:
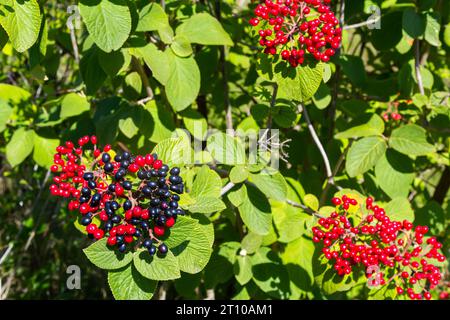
column 132, row 200
column 396, row 248
column 298, row 27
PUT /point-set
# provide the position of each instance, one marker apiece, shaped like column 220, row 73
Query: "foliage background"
column 55, row 85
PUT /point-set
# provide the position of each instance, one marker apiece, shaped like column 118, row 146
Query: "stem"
column 272, row 105
column 417, row 67
column 227, row 188
column 319, row 146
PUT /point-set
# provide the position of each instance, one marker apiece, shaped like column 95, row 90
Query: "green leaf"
column 255, row 211
column 190, row 244
column 44, row 149
column 243, row 269
column 238, row 174
column 91, row 71
column 299, row 84
column 220, row 268
column 5, row 113
column 394, row 174
column 156, row 60
column 432, row 29
column 20, row 146
column 399, row 209
column 156, row 267
column 173, row 151
column 128, row 284
column 13, row 94
column 3, row 37
column 272, row 185
column 204, row 29
column 311, row 201
column 322, row 97
column 107, row 21
column 354, row 69
column 114, row 62
column 128, row 127
column 153, row 18
column 413, row 23
column 206, row 205
column 73, row 104
column 298, row 257
column 289, row 221
column 105, row 257
column 195, row 123
column 163, row 122
column 411, row 140
column 364, row 154
column 269, row 274
column 22, row 22
column 237, row 197
column 183, row 83
column 207, row 183
column 226, row 149
column 133, row 86
column 251, row 242
column 365, row 126
column 431, row 215
column 181, row 46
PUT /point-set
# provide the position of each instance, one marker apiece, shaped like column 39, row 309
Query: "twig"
column 7, row 252
column 319, row 146
column 140, row 70
column 227, row 188
column 417, row 67
column 73, row 39
column 305, row 208
column 335, row 171
column 361, row 24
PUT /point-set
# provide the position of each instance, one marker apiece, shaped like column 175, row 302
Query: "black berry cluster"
column 130, row 199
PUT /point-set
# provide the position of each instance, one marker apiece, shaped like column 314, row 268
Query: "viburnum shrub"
column 294, row 28
column 400, row 251
column 130, row 199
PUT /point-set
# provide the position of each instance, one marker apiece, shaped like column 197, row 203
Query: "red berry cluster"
column 298, row 27
column 396, row 248
column 131, row 200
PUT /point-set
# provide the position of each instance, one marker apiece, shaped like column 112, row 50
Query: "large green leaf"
column 5, row 113
column 73, row 104
column 190, row 244
column 220, row 267
column 255, row 211
column 156, row 60
column 44, row 149
column 413, row 23
column 207, row 183
column 411, row 140
column 297, row 257
column 183, row 83
column 13, row 94
column 105, row 257
column 156, row 267
column 173, row 151
column 153, row 18
column 432, row 29
column 299, row 83
column 128, row 284
column 108, row 22
column 22, row 21
column 269, row 273
column 206, row 205
column 163, row 122
column 289, row 221
column 394, row 173
column 226, row 149
column 399, row 209
column 364, row 154
column 204, row 29
column 20, row 146
column 243, row 269
column 272, row 185
column 91, row 71
column 365, row 126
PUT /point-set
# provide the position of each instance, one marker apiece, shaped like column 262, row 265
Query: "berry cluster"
column 131, row 200
column 298, row 27
column 400, row 251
